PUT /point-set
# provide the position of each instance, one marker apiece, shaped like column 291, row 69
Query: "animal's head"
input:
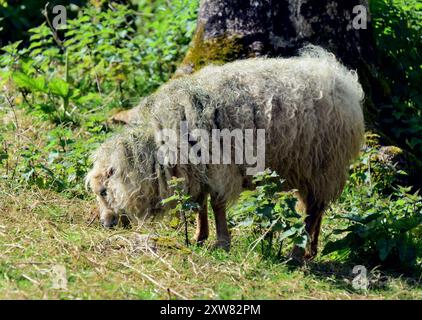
column 123, row 178
column 98, row 180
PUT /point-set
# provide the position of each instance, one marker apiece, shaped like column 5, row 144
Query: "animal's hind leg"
column 314, row 211
column 316, row 231
column 223, row 235
column 202, row 229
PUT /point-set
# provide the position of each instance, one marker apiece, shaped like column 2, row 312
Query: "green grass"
column 40, row 230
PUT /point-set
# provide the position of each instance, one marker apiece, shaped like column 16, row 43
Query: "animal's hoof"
column 200, row 242
column 222, row 244
column 309, row 256
column 200, row 239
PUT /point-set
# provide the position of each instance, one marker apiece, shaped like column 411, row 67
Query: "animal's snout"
column 103, row 192
column 110, row 221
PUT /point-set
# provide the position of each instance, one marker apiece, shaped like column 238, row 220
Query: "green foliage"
column 397, row 30
column 169, row 26
column 382, row 230
column 184, row 206
column 374, row 228
column 3, row 150
column 101, row 58
column 107, row 57
column 374, row 169
column 22, row 15
column 270, row 215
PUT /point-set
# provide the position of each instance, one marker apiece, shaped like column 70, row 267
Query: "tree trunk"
column 228, row 30
column 233, row 29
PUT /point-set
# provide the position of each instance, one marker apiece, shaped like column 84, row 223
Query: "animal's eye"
column 110, row 172
column 103, row 192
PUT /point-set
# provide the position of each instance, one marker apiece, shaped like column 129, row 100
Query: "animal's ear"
column 110, row 172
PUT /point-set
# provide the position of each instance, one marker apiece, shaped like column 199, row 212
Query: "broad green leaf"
column 301, row 241
column 169, row 199
column 338, row 245
column 59, row 87
column 23, row 81
column 287, row 234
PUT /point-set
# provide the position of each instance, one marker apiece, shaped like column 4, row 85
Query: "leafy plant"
column 373, row 227
column 397, row 31
column 376, row 167
column 65, row 84
column 22, row 15
column 3, row 150
column 381, row 230
column 270, row 215
column 184, row 206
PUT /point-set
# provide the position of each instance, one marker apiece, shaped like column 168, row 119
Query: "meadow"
column 58, row 93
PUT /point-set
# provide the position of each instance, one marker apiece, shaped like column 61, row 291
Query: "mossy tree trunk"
column 234, row 29
column 278, row 28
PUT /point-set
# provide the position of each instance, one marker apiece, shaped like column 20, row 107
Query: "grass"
column 41, row 231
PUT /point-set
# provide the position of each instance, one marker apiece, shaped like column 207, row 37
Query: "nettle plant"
column 375, row 168
column 107, row 57
column 183, row 206
column 104, row 58
column 373, row 228
column 90, row 67
column 270, row 216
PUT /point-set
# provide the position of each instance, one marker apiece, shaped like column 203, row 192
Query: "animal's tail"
column 347, row 79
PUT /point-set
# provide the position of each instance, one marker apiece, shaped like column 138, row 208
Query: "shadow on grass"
column 343, row 274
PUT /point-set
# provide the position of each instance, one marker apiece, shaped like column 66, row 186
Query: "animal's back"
column 310, row 107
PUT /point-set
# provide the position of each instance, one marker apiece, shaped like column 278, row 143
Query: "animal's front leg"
column 202, row 230
column 223, row 235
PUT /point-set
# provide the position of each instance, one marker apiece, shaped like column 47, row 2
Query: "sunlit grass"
column 40, row 230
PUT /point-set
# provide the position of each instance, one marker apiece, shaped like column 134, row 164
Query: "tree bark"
column 279, row 28
column 228, row 30
column 234, row 29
